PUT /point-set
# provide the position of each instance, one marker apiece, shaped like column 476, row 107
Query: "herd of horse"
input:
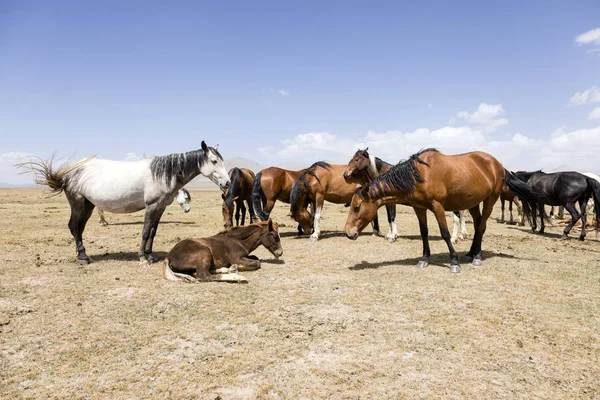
column 427, row 180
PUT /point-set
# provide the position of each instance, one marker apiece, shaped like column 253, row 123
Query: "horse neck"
column 249, row 236
column 384, row 195
column 182, row 166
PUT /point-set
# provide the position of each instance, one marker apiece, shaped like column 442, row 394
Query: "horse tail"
column 44, row 173
column 169, row 275
column 595, row 185
column 257, row 195
column 528, row 197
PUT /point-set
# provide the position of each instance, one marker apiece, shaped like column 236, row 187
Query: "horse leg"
column 519, row 211
column 422, row 216
column 463, row 225
column 574, row 218
column 486, row 211
column 81, row 211
column 319, row 200
column 542, row 219
column 512, row 220
column 440, row 216
column 391, row 214
column 455, row 221
column 502, row 208
column 101, row 219
column 247, row 264
column 151, row 220
column 476, row 214
column 253, row 217
column 561, row 212
column 243, row 207
column 583, row 207
column 375, row 225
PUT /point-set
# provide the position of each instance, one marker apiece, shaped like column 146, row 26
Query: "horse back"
column 331, row 184
column 459, row 181
column 215, row 252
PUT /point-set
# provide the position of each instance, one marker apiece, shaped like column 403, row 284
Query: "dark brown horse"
column 362, row 169
column 433, row 181
column 218, row 258
column 507, row 195
column 320, row 182
column 239, row 190
column 272, row 184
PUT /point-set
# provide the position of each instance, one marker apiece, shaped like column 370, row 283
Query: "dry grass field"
column 335, row 319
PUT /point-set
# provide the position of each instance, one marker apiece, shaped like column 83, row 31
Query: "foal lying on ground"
column 218, row 258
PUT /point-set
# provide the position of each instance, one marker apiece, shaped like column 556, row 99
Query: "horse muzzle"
column 352, row 235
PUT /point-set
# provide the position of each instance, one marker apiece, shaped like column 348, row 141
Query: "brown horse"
column 433, row 181
column 272, row 184
column 239, row 190
column 320, row 182
column 218, row 258
column 362, row 169
column 507, row 195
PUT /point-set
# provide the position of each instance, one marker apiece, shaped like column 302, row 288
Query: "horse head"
column 213, row 167
column 271, row 239
column 360, row 163
column 362, row 211
column 184, row 198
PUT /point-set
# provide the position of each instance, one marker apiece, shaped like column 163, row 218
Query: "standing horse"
column 126, row 187
column 239, row 191
column 362, row 169
column 320, row 182
column 218, row 258
column 272, row 184
column 562, row 188
column 433, row 181
column 183, row 199
column 507, row 195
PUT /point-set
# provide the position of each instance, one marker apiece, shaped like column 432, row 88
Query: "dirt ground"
column 335, row 319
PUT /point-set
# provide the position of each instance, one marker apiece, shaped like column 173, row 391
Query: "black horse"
column 562, row 189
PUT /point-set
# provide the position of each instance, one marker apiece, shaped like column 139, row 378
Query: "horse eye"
column 357, row 207
column 214, row 162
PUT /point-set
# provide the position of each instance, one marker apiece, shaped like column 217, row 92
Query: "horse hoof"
column 314, row 239
column 582, row 238
column 422, row 264
column 476, row 262
column 391, row 239
column 83, row 261
column 455, row 269
column 564, row 237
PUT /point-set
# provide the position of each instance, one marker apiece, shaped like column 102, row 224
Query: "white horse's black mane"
column 181, row 166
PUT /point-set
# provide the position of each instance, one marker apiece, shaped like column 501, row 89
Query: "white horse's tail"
column 169, row 275
column 44, row 173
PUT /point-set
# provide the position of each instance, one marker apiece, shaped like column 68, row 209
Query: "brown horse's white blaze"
column 433, row 181
column 218, row 258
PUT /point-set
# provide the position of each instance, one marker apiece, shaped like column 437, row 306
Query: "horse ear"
column 204, row 147
column 217, row 146
column 270, row 224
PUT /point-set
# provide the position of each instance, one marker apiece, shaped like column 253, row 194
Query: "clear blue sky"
column 113, row 77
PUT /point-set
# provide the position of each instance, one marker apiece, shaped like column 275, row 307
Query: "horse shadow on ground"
column 161, row 222
column 128, row 256
column 272, row 261
column 536, row 233
column 435, row 260
column 324, row 235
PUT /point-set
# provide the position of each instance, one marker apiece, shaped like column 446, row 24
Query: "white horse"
column 183, row 198
column 458, row 218
column 126, row 187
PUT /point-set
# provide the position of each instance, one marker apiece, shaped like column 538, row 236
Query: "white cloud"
column 487, row 117
column 591, row 95
column 591, row 37
column 595, row 114
column 283, row 92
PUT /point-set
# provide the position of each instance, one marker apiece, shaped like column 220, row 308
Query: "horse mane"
column 401, row 176
column 237, row 232
column 301, row 187
column 187, row 193
column 182, row 166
